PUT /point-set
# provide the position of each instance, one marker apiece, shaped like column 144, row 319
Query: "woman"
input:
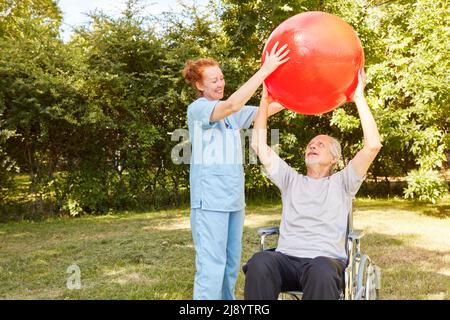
column 216, row 171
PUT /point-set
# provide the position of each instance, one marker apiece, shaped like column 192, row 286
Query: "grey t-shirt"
column 315, row 211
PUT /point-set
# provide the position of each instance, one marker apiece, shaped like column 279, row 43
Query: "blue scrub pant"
column 218, row 241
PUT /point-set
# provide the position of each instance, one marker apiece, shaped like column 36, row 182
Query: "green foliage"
column 409, row 89
column 406, row 50
column 89, row 121
column 21, row 19
column 344, row 121
column 8, row 166
column 426, row 185
column 37, row 101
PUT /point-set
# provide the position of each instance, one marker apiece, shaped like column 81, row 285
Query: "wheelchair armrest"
column 268, row 230
column 355, row 235
column 264, row 232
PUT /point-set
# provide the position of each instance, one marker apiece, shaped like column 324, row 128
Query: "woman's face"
column 212, row 84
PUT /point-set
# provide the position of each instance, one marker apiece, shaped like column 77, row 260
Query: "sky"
column 74, row 11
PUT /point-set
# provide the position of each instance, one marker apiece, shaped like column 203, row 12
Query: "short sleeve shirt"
column 315, row 211
column 216, row 171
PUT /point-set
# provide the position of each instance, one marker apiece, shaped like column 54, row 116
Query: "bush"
column 426, row 185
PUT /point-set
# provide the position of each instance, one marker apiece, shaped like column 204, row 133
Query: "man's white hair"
column 336, row 151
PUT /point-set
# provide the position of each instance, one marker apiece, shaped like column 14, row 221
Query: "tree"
column 409, row 90
column 406, row 63
column 36, row 97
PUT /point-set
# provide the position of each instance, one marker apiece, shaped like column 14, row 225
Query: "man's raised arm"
column 372, row 142
column 266, row 155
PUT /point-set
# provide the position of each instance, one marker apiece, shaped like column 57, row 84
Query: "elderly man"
column 310, row 255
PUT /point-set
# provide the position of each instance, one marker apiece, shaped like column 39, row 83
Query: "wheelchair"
column 362, row 278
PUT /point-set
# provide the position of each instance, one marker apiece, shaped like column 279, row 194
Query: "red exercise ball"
column 325, row 56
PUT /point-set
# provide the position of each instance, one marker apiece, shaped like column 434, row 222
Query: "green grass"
column 151, row 256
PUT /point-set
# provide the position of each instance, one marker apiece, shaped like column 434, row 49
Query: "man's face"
column 318, row 151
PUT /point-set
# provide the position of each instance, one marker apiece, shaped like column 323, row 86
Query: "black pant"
column 268, row 273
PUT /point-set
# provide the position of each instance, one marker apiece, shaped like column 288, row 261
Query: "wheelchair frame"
column 362, row 278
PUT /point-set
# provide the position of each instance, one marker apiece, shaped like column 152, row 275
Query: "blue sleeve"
column 200, row 111
column 245, row 117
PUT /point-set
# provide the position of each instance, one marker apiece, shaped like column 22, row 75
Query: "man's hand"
column 359, row 91
column 267, row 100
column 265, row 97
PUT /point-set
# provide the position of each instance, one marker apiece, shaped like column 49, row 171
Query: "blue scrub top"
column 216, row 170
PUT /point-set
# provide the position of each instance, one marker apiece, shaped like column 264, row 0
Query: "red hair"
column 193, row 70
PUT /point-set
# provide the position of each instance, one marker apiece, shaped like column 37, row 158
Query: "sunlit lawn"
column 150, row 255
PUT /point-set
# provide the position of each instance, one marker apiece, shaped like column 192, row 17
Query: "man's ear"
column 334, row 161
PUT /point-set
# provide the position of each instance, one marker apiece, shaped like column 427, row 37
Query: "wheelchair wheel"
column 366, row 283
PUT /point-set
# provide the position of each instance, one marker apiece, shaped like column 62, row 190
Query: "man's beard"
column 312, row 161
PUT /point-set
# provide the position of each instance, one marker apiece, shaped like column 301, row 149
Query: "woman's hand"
column 237, row 100
column 275, row 58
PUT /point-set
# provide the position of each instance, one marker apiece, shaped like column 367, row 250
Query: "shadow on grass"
column 133, row 264
column 440, row 210
column 408, row 272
